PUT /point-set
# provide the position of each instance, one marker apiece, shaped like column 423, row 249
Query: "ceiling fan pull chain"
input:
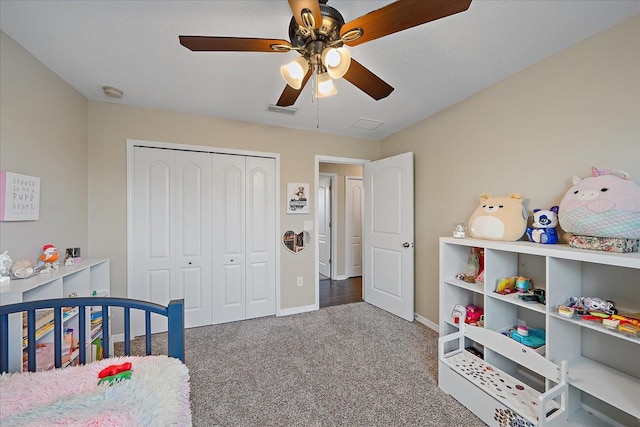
column 314, row 95
column 314, row 88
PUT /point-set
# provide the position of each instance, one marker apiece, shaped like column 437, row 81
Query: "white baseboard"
column 117, row 338
column 428, row 323
column 296, row 310
column 341, row 277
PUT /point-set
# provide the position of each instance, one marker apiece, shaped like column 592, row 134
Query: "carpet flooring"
column 347, row 365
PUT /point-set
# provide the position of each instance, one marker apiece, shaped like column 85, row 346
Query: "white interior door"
column 171, row 232
column 244, row 233
column 260, row 237
column 324, row 225
column 353, row 226
column 193, row 236
column 228, row 230
column 388, row 235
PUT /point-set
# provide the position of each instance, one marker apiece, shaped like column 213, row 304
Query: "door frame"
column 328, row 159
column 333, row 195
column 132, row 143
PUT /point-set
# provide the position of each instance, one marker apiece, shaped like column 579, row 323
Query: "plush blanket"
column 157, row 394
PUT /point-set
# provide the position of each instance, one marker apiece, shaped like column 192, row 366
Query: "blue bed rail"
column 174, row 313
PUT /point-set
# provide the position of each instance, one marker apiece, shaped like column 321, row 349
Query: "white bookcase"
column 80, row 279
column 604, row 368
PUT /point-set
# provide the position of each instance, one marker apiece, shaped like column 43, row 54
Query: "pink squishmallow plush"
column 602, row 205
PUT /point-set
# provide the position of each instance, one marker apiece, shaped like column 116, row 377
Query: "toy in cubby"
column 521, row 285
column 600, row 311
column 530, row 337
column 474, row 270
column 472, row 314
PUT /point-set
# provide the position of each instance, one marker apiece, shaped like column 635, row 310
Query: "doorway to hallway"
column 338, row 292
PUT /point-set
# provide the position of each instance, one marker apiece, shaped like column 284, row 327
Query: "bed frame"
column 174, row 313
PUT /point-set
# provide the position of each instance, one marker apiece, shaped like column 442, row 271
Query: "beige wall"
column 110, row 125
column 529, row 134
column 341, row 171
column 43, row 133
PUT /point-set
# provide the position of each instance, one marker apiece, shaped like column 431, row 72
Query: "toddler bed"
column 151, row 390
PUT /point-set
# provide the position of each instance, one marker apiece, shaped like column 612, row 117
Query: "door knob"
column 405, row 245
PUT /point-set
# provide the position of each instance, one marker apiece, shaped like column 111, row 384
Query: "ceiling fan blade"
column 366, row 81
column 298, row 6
column 400, row 15
column 290, row 95
column 232, row 44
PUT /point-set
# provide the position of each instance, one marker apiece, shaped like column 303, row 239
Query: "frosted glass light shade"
column 325, row 86
column 337, row 61
column 293, row 73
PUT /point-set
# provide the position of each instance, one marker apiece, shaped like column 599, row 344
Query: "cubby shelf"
column 80, row 279
column 597, row 326
column 604, row 385
column 513, row 299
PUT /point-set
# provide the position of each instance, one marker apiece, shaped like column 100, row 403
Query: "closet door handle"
column 405, row 245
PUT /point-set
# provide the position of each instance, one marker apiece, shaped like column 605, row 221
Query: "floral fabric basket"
column 606, row 244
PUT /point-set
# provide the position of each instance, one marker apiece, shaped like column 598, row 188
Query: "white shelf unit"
column 80, row 279
column 604, row 373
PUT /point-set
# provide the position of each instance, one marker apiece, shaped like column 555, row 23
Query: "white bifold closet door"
column 204, row 230
column 244, row 235
column 172, row 232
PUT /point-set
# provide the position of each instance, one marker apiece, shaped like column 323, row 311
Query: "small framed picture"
column 19, row 197
column 297, row 198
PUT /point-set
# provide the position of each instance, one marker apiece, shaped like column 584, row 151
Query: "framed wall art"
column 297, row 202
column 19, row 197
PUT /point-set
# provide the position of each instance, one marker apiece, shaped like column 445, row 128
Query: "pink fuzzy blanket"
column 157, row 394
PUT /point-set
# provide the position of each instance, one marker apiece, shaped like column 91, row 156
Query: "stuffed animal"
column 499, row 218
column 49, row 255
column 542, row 230
column 602, row 205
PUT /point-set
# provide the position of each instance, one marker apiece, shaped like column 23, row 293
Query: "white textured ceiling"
column 133, row 45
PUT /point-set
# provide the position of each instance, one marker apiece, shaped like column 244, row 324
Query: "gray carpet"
column 348, row 365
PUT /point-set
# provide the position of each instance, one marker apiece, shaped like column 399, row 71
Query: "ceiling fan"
column 318, row 33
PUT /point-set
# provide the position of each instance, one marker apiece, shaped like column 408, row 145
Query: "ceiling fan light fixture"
column 337, row 61
column 293, row 73
column 325, row 86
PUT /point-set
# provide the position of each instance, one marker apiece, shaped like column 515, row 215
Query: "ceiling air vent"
column 367, row 124
column 282, row 110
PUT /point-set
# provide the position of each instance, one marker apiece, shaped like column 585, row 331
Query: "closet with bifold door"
column 244, row 235
column 203, row 229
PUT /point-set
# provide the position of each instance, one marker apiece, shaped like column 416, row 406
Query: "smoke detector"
column 112, row 92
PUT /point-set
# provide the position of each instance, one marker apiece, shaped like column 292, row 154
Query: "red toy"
column 474, row 314
column 114, row 369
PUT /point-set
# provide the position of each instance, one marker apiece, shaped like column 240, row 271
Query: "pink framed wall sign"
column 19, row 197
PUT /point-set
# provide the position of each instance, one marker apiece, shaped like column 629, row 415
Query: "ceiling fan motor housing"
column 311, row 42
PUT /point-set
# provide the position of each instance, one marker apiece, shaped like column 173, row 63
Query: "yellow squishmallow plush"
column 499, row 218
